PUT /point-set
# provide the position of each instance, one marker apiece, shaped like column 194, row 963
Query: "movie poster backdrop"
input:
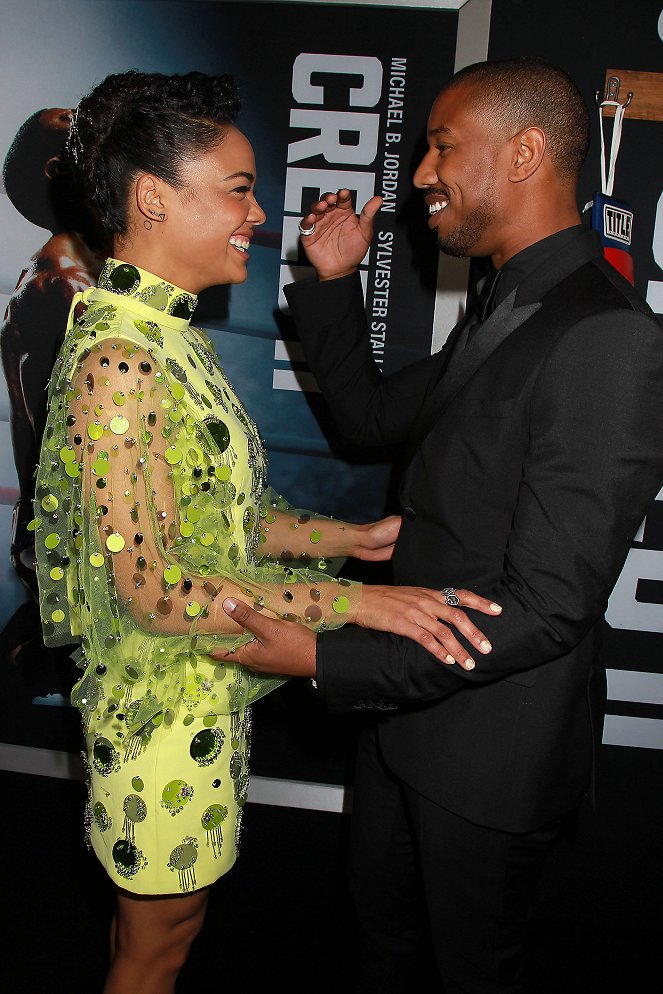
column 321, row 116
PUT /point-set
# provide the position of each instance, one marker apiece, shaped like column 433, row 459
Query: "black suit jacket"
column 530, row 462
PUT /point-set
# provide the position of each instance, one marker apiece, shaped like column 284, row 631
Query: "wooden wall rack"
column 646, row 87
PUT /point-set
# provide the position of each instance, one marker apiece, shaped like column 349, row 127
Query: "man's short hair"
column 532, row 93
column 26, row 184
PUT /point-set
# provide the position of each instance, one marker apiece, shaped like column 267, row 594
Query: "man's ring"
column 451, row 597
column 306, row 231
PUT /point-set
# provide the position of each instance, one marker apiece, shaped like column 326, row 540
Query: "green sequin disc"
column 72, row 469
column 119, row 424
column 50, row 503
column 56, row 573
column 158, row 297
column 175, row 795
column 213, row 817
column 223, row 473
column 186, row 529
column 124, row 278
column 315, row 536
column 119, row 398
column 192, row 609
column 58, row 615
column 341, row 605
column 67, row 454
column 207, row 538
column 52, row 541
column 172, row 574
column 173, row 455
column 96, row 559
column 220, row 434
column 95, row 431
column 115, row 542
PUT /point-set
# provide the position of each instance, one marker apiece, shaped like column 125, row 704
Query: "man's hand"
column 374, row 542
column 341, row 239
column 279, row 647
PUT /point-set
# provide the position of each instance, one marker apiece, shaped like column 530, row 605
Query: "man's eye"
column 242, row 189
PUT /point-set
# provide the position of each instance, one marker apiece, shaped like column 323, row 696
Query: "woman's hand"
column 374, row 542
column 341, row 239
column 424, row 616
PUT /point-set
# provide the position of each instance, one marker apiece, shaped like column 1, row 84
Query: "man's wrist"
column 325, row 277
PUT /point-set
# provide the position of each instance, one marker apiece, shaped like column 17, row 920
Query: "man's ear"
column 528, row 151
column 151, row 196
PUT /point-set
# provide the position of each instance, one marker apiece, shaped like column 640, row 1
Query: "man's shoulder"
column 597, row 287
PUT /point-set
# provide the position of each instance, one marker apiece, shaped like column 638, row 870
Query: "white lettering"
column 655, row 287
column 368, row 67
column 327, row 142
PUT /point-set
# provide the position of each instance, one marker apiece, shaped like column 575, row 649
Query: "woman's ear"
column 150, row 198
column 52, row 167
column 528, row 151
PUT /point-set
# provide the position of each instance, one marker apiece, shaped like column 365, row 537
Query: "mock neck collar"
column 128, row 280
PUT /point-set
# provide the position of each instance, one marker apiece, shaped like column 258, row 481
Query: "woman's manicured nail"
column 495, row 608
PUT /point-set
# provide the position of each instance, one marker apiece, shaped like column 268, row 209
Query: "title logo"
column 617, row 223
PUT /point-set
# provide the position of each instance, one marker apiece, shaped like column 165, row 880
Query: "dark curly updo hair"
column 145, row 122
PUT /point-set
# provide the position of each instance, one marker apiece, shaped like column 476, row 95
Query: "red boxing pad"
column 621, row 260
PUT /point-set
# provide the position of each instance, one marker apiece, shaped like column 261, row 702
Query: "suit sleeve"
column 593, row 465
column 369, row 408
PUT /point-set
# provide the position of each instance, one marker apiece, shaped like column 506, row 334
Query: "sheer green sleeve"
column 144, row 526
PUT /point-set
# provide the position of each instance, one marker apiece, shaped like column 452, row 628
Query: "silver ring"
column 451, row 598
column 306, row 231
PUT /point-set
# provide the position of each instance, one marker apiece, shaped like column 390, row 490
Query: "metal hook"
column 612, row 92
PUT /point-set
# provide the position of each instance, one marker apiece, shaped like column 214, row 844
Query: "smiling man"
column 532, row 450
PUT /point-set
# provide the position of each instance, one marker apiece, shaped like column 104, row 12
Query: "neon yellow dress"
column 150, row 508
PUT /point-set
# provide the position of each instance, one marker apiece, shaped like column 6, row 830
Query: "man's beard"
column 461, row 240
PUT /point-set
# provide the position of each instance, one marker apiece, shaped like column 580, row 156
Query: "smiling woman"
column 151, row 500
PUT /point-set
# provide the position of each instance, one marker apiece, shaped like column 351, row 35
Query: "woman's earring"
column 147, row 224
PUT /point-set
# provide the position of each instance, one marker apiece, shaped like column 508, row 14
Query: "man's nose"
column 425, row 174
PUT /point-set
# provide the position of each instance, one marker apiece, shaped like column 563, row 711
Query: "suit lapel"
column 453, row 376
column 517, row 308
column 495, row 329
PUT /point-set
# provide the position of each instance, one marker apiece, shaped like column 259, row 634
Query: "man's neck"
column 522, row 235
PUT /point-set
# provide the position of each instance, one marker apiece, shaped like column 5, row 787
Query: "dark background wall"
column 608, row 890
